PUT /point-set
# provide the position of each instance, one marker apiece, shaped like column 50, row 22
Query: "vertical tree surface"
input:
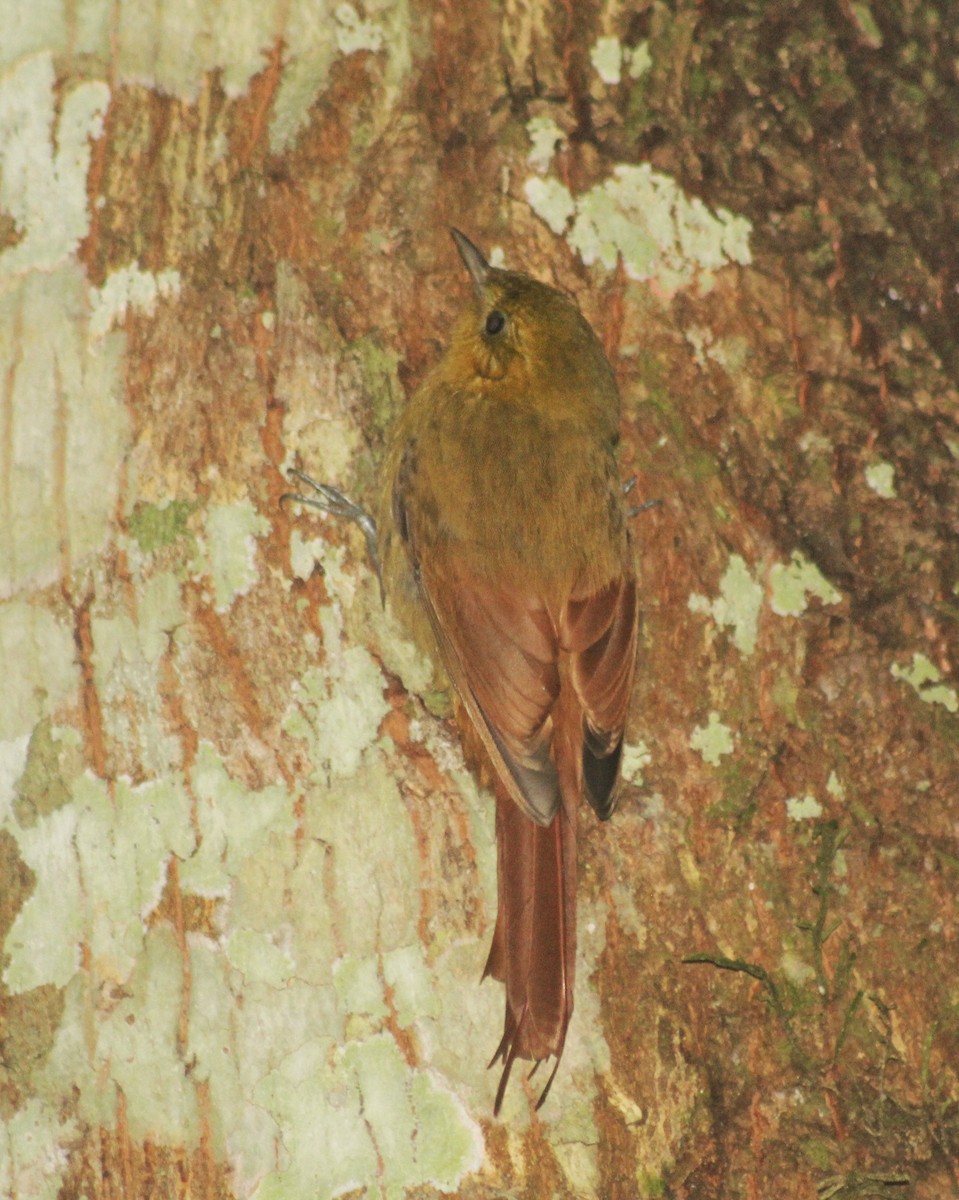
column 247, row 885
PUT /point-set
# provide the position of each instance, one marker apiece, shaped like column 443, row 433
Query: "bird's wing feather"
column 599, row 631
column 501, row 653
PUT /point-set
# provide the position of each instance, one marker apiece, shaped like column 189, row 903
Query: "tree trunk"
column 247, row 885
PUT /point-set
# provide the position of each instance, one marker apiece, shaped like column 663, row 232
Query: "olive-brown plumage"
column 504, row 547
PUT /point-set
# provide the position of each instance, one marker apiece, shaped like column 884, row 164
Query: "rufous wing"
column 501, row 653
column 599, row 633
column 547, row 694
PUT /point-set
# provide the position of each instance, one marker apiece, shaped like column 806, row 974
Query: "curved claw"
column 329, row 500
column 636, row 509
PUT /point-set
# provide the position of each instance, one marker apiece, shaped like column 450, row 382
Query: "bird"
column 501, row 538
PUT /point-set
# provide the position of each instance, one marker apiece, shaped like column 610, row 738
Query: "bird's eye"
column 495, row 322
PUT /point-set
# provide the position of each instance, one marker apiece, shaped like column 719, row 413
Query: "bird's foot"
column 329, row 500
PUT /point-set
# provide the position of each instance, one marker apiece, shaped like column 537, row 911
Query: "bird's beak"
column 475, row 263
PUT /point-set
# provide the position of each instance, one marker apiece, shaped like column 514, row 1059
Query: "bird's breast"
column 516, row 494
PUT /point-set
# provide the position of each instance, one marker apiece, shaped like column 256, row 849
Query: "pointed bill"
column 476, row 264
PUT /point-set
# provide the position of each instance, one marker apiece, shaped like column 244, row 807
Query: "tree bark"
column 247, row 885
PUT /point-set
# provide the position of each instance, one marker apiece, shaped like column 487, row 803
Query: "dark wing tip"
column 600, row 775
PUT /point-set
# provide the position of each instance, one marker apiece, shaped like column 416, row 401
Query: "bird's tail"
column 534, row 943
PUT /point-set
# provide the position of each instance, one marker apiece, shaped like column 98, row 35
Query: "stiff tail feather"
column 534, row 943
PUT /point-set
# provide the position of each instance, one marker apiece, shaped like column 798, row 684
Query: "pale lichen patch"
column 926, row 681
column 137, row 1038
column 803, row 808
column 43, row 945
column 729, row 353
column 354, row 34
column 13, row 761
column 364, row 821
column 359, row 987
column 640, row 60
column 233, row 825
column 315, row 34
column 339, row 706
column 129, row 289
column 712, row 741
column 137, row 644
column 737, row 606
column 258, row 956
column 636, row 758
column 45, row 147
column 42, row 647
column 340, row 713
column 791, row 585
column 545, row 136
column 796, row 969
column 68, row 428
column 607, row 59
column 406, row 973
column 325, row 1146
column 643, row 217
column 101, row 864
column 230, row 549
column 881, row 477
column 835, row 787
column 449, row 1144
column 33, row 1158
column 551, row 200
column 356, row 1117
column 305, row 554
